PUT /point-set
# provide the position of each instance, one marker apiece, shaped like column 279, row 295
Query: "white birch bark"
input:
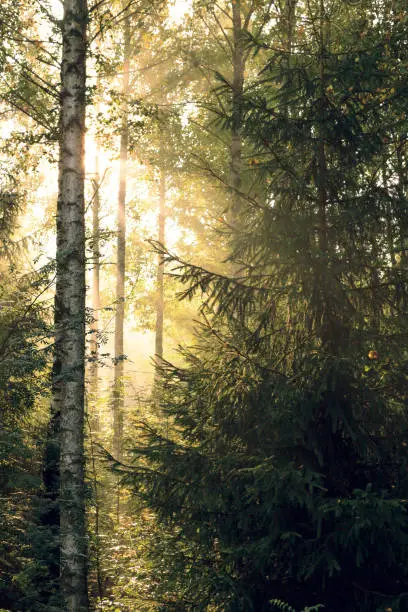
column 70, row 307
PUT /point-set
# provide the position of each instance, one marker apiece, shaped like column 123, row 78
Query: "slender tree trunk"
column 321, row 152
column 401, row 190
column 93, row 414
column 160, row 271
column 238, row 65
column 50, row 513
column 376, row 287
column 288, row 27
column 96, row 301
column 69, row 375
column 389, row 219
column 323, row 306
column 97, row 501
column 49, row 517
column 402, row 221
column 118, row 394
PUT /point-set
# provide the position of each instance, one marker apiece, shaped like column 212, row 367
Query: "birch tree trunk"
column 118, row 395
column 68, row 383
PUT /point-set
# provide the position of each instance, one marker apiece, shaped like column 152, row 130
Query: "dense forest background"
column 203, row 305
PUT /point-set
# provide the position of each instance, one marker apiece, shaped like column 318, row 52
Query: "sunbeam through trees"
column 204, row 305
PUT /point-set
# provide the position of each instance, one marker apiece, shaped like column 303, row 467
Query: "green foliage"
column 261, row 480
column 280, row 472
column 23, row 364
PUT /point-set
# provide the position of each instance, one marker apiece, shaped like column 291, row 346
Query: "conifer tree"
column 284, row 476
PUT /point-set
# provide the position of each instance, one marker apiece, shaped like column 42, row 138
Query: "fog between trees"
column 203, row 308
